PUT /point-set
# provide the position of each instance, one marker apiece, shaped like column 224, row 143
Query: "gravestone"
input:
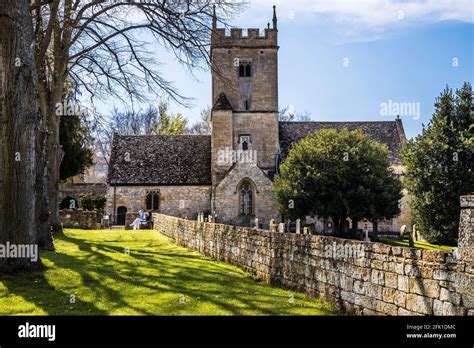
column 281, row 227
column 402, row 231
column 272, row 225
column 366, row 238
column 466, row 229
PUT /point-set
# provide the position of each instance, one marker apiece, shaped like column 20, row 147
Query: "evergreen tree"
column 78, row 155
column 338, row 175
column 440, row 165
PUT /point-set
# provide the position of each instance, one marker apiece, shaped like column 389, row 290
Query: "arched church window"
column 152, row 200
column 245, row 145
column 241, row 70
column 148, row 201
column 246, row 199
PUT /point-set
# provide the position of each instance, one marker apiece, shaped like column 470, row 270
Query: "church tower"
column 244, row 137
column 244, row 95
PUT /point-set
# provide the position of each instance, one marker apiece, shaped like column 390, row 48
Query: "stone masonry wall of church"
column 263, row 130
column 181, row 201
column 227, row 195
column 263, row 91
column 362, row 278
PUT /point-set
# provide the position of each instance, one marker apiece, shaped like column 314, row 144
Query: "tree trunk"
column 20, row 122
column 55, row 155
column 338, row 227
column 44, row 238
column 375, row 230
column 354, row 227
column 61, row 44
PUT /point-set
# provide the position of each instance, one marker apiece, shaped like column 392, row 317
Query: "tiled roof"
column 385, row 132
column 222, row 103
column 160, row 160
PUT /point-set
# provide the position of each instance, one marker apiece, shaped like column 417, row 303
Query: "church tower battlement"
column 245, row 68
column 245, row 81
column 237, row 39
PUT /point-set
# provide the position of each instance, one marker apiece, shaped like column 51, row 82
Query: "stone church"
column 230, row 172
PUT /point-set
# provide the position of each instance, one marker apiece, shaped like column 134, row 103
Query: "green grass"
column 417, row 244
column 93, row 266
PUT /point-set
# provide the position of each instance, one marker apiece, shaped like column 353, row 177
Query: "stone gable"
column 227, row 196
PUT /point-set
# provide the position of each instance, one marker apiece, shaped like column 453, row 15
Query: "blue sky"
column 341, row 60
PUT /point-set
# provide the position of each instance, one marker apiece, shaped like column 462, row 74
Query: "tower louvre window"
column 245, row 69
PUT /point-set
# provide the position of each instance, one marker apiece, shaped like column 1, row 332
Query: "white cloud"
column 359, row 20
column 373, row 13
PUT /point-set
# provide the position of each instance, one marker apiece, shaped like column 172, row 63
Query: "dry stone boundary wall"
column 361, row 278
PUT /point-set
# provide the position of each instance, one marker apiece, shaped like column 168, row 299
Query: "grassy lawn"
column 417, row 244
column 156, row 278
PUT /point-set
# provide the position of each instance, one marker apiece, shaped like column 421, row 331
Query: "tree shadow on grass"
column 166, row 271
column 34, row 289
column 178, row 276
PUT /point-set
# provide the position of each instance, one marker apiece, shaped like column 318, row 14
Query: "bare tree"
column 203, row 126
column 288, row 113
column 94, row 49
column 20, row 135
column 152, row 121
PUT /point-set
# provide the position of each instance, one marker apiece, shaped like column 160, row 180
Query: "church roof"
column 222, row 103
column 389, row 133
column 160, row 160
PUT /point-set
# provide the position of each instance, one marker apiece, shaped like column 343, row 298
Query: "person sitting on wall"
column 140, row 219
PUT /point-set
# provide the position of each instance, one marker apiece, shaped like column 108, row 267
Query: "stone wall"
column 264, row 136
column 182, row 201
column 83, row 219
column 76, row 190
column 361, row 278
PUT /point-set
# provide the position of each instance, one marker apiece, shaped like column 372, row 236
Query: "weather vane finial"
column 214, row 17
column 274, row 17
